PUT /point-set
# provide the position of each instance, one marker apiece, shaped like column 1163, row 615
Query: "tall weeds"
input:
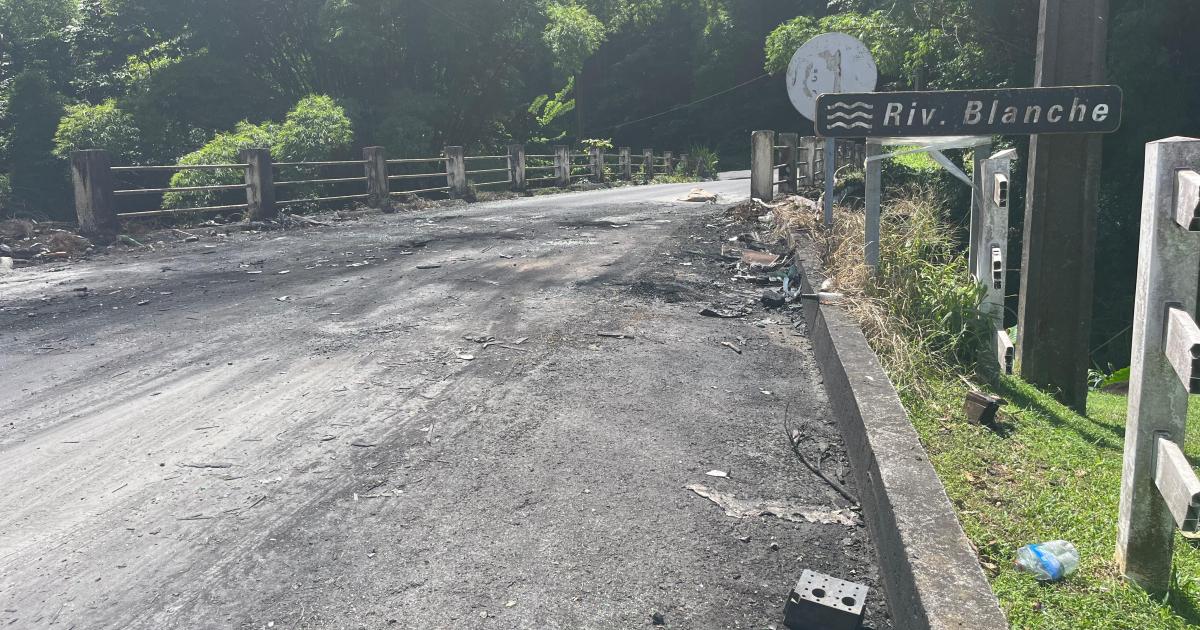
column 920, row 312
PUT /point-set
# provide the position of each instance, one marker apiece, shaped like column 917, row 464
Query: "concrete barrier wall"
column 930, row 573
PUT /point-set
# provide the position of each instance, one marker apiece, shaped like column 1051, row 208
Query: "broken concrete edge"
column 929, row 571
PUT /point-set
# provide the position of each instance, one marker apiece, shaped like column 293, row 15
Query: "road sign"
column 1017, row 111
column 831, row 62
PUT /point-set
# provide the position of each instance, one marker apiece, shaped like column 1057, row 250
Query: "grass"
column 1048, row 473
column 1045, row 473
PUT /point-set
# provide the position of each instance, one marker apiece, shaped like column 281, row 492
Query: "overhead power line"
column 687, row 105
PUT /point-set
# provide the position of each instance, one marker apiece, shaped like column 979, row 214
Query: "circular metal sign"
column 829, row 63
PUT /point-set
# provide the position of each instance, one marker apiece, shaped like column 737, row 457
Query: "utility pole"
column 1058, row 262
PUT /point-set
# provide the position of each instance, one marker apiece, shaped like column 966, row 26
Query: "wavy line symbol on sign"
column 856, row 115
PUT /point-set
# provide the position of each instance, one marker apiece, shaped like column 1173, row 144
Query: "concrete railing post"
column 456, row 172
column 626, row 163
column 873, row 181
column 516, row 167
column 989, row 247
column 1164, row 333
column 669, row 162
column 375, row 163
column 684, row 166
column 260, row 184
column 762, row 165
column 562, row 160
column 597, row 155
column 95, row 205
column 648, row 165
column 788, row 158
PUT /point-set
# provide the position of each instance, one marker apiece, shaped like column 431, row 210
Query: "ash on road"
column 410, row 421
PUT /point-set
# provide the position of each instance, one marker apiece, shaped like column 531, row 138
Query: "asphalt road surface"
column 414, row 421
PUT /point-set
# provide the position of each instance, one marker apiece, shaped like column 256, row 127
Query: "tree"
column 37, row 178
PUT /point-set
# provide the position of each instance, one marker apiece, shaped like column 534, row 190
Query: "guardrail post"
column 95, row 206
column 375, row 160
column 456, row 172
column 260, row 184
column 873, row 180
column 762, row 165
column 648, row 164
column 1158, row 400
column 516, row 167
column 787, row 173
column 669, row 162
column 810, row 160
column 989, row 251
column 626, row 163
column 562, row 160
column 597, row 165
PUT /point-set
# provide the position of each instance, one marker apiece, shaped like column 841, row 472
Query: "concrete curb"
column 930, row 573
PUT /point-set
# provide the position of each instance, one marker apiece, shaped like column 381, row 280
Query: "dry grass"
column 920, row 311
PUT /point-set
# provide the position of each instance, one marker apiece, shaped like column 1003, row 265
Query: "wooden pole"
column 1169, row 256
column 829, row 166
column 516, row 167
column 260, row 185
column 978, row 204
column 1057, row 265
column 762, row 153
column 95, row 206
column 375, row 160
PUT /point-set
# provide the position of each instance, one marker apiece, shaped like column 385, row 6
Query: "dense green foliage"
column 102, row 126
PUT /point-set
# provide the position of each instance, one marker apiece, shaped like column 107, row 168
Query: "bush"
column 704, row 162
column 316, row 129
column 101, row 126
column 39, row 181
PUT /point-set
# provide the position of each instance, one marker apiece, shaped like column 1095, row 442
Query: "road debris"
column 699, row 195
column 773, row 299
column 429, row 266
column 207, row 465
column 724, row 313
column 614, row 335
column 731, row 346
column 738, row 508
column 718, row 473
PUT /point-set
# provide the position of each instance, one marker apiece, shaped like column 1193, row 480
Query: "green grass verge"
column 1048, row 473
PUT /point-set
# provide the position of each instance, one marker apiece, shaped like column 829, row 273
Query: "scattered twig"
column 731, row 346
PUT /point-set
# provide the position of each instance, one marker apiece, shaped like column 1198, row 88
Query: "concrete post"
column 375, row 160
column 873, row 176
column 626, row 163
column 597, row 165
column 562, row 160
column 789, row 158
column 989, row 247
column 810, row 150
column 830, row 168
column 762, row 150
column 685, row 167
column 979, row 204
column 95, row 206
column 648, row 164
column 1167, row 262
column 260, row 185
column 456, row 172
column 669, row 162
column 516, row 166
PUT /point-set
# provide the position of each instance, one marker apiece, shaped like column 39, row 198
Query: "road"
column 314, row 428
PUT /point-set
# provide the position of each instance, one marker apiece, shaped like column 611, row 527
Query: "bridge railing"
column 374, row 180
